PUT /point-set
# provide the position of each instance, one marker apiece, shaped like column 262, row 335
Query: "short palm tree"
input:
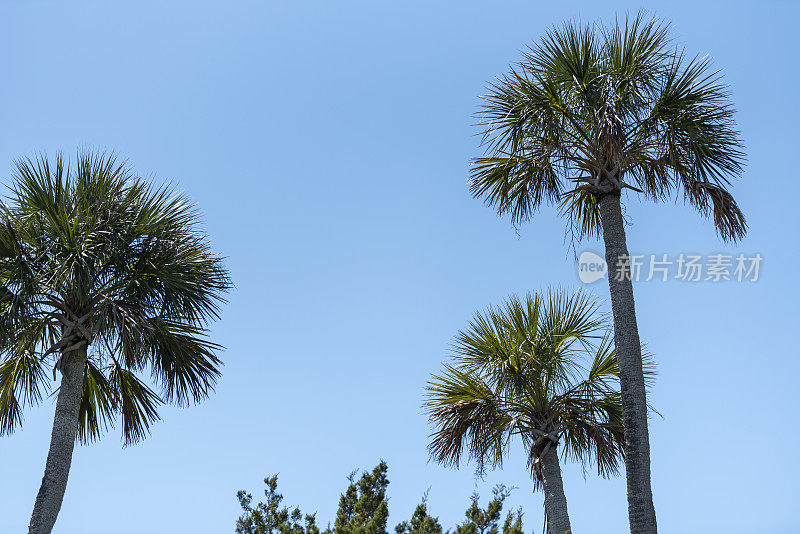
column 541, row 369
column 591, row 112
column 102, row 276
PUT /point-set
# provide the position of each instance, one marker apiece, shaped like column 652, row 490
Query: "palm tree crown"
column 608, row 109
column 542, row 369
column 92, row 257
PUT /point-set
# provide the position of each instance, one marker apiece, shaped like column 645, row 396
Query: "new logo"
column 591, row 267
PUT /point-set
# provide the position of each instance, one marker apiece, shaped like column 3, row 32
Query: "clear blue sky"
column 328, row 145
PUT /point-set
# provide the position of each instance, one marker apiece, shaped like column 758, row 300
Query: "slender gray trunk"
column 62, row 442
column 555, row 502
column 641, row 512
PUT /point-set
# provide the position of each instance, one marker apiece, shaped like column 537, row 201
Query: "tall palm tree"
column 102, row 276
column 607, row 110
column 541, row 369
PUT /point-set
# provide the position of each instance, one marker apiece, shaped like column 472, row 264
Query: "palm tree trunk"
column 641, row 512
column 555, row 502
column 62, row 442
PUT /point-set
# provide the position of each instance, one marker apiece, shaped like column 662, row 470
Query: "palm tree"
column 102, row 276
column 610, row 110
column 520, row 371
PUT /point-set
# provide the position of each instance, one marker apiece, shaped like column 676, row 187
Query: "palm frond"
column 713, row 200
column 21, row 382
column 138, row 404
column 99, row 403
column 183, row 361
column 466, row 414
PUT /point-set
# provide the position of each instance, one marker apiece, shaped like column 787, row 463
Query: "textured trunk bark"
column 641, row 512
column 555, row 502
column 62, row 442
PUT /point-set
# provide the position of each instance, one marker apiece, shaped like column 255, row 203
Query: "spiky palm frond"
column 542, row 369
column 91, row 254
column 469, row 413
column 592, row 109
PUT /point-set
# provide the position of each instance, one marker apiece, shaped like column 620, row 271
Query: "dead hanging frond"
column 583, row 212
column 476, row 423
column 713, row 200
column 538, row 442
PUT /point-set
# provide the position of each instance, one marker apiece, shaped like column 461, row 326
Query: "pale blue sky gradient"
column 328, row 145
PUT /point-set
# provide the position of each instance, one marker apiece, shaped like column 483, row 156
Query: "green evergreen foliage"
column 487, row 520
column 268, row 517
column 421, row 522
column 364, row 509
